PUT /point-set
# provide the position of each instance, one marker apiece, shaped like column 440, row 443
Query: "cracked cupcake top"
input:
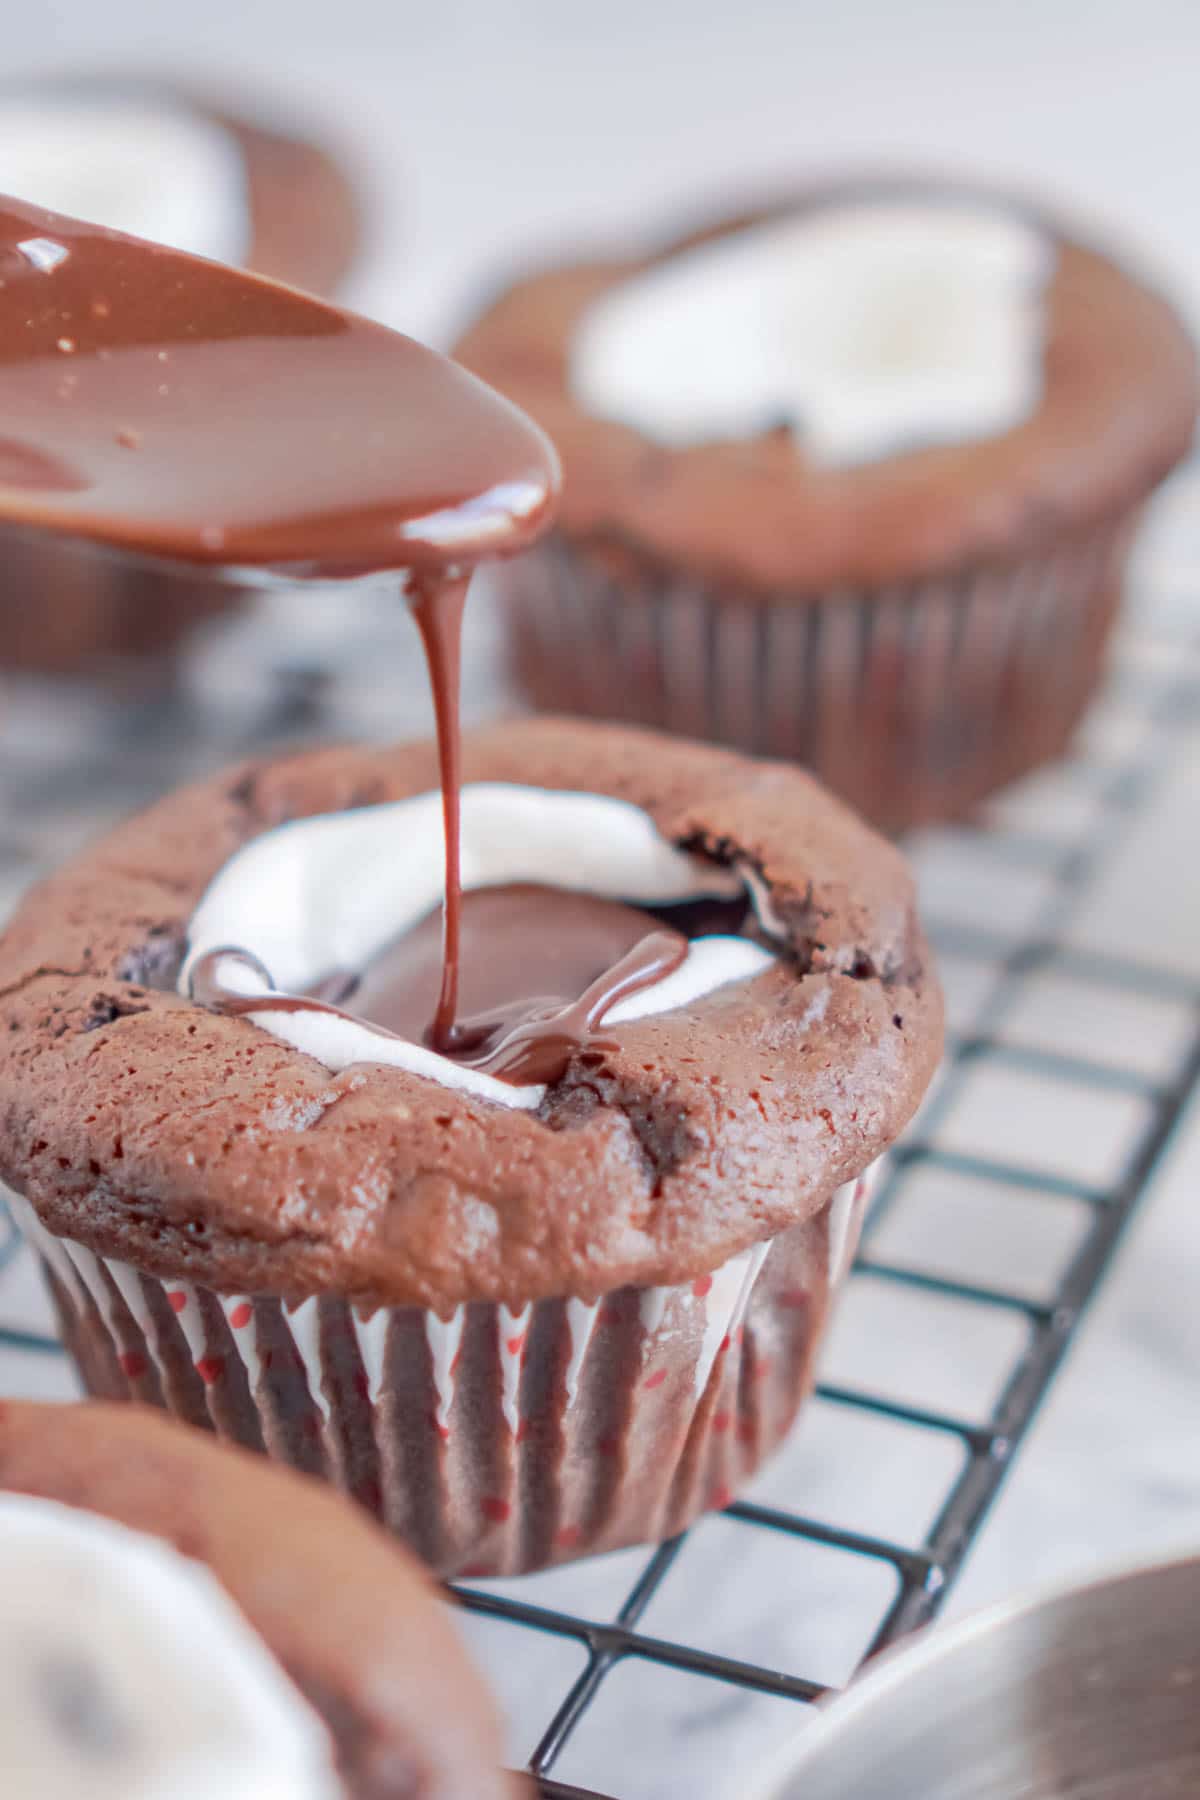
column 761, row 507
column 201, row 1146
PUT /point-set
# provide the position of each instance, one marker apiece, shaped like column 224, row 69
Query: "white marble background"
column 493, row 128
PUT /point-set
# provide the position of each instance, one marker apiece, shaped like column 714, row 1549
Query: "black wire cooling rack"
column 77, row 761
column 925, row 1571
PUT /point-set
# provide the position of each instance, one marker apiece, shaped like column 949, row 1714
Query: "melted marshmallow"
column 330, row 892
column 864, row 329
column 126, row 1673
column 156, row 171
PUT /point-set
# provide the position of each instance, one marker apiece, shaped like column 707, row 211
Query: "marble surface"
column 490, row 129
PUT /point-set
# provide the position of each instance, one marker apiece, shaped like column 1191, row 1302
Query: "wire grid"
column 114, row 752
column 926, row 1571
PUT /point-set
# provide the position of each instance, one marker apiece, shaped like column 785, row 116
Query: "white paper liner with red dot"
column 498, row 1439
column 372, row 1345
column 581, row 1322
column 304, row 1324
column 239, row 1313
column 445, row 1337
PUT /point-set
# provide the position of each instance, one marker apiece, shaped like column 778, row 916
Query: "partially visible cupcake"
column 852, row 479
column 520, row 1320
column 182, row 1622
column 180, row 167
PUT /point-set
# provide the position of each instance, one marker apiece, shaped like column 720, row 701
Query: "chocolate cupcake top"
column 96, row 147
column 863, row 383
column 132, row 1672
column 200, row 1145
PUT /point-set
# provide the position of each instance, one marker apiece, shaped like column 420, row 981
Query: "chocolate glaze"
column 437, row 608
column 542, row 971
column 518, row 941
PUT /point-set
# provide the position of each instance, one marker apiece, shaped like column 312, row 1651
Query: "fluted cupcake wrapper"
column 109, row 616
column 913, row 702
column 493, row 1441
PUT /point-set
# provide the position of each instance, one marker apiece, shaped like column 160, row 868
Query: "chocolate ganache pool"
column 578, row 917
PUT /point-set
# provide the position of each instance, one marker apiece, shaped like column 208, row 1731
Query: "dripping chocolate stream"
column 170, row 408
column 438, row 609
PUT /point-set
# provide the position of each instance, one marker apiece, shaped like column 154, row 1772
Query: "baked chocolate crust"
column 200, row 1147
column 754, row 517
column 349, row 1616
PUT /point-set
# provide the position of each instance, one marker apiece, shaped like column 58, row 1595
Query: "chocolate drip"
column 538, row 1048
column 438, row 609
column 525, row 1043
column 524, row 949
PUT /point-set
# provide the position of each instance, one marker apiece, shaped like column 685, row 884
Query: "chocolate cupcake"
column 850, row 480
column 180, row 1619
column 519, row 1318
column 173, row 165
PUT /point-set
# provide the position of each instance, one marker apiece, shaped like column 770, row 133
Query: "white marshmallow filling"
column 127, row 1673
column 863, row 328
column 155, row 170
column 332, row 891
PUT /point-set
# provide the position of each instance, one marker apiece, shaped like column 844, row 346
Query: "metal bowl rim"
column 903, row 1662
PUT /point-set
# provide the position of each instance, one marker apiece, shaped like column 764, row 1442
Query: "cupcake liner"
column 494, row 1441
column 108, row 615
column 913, row 702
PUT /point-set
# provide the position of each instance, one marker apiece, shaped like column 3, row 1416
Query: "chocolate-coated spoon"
column 171, row 407
column 168, row 407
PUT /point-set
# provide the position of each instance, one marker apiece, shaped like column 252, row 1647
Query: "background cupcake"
column 852, row 480
column 520, row 1323
column 177, row 1618
column 183, row 168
